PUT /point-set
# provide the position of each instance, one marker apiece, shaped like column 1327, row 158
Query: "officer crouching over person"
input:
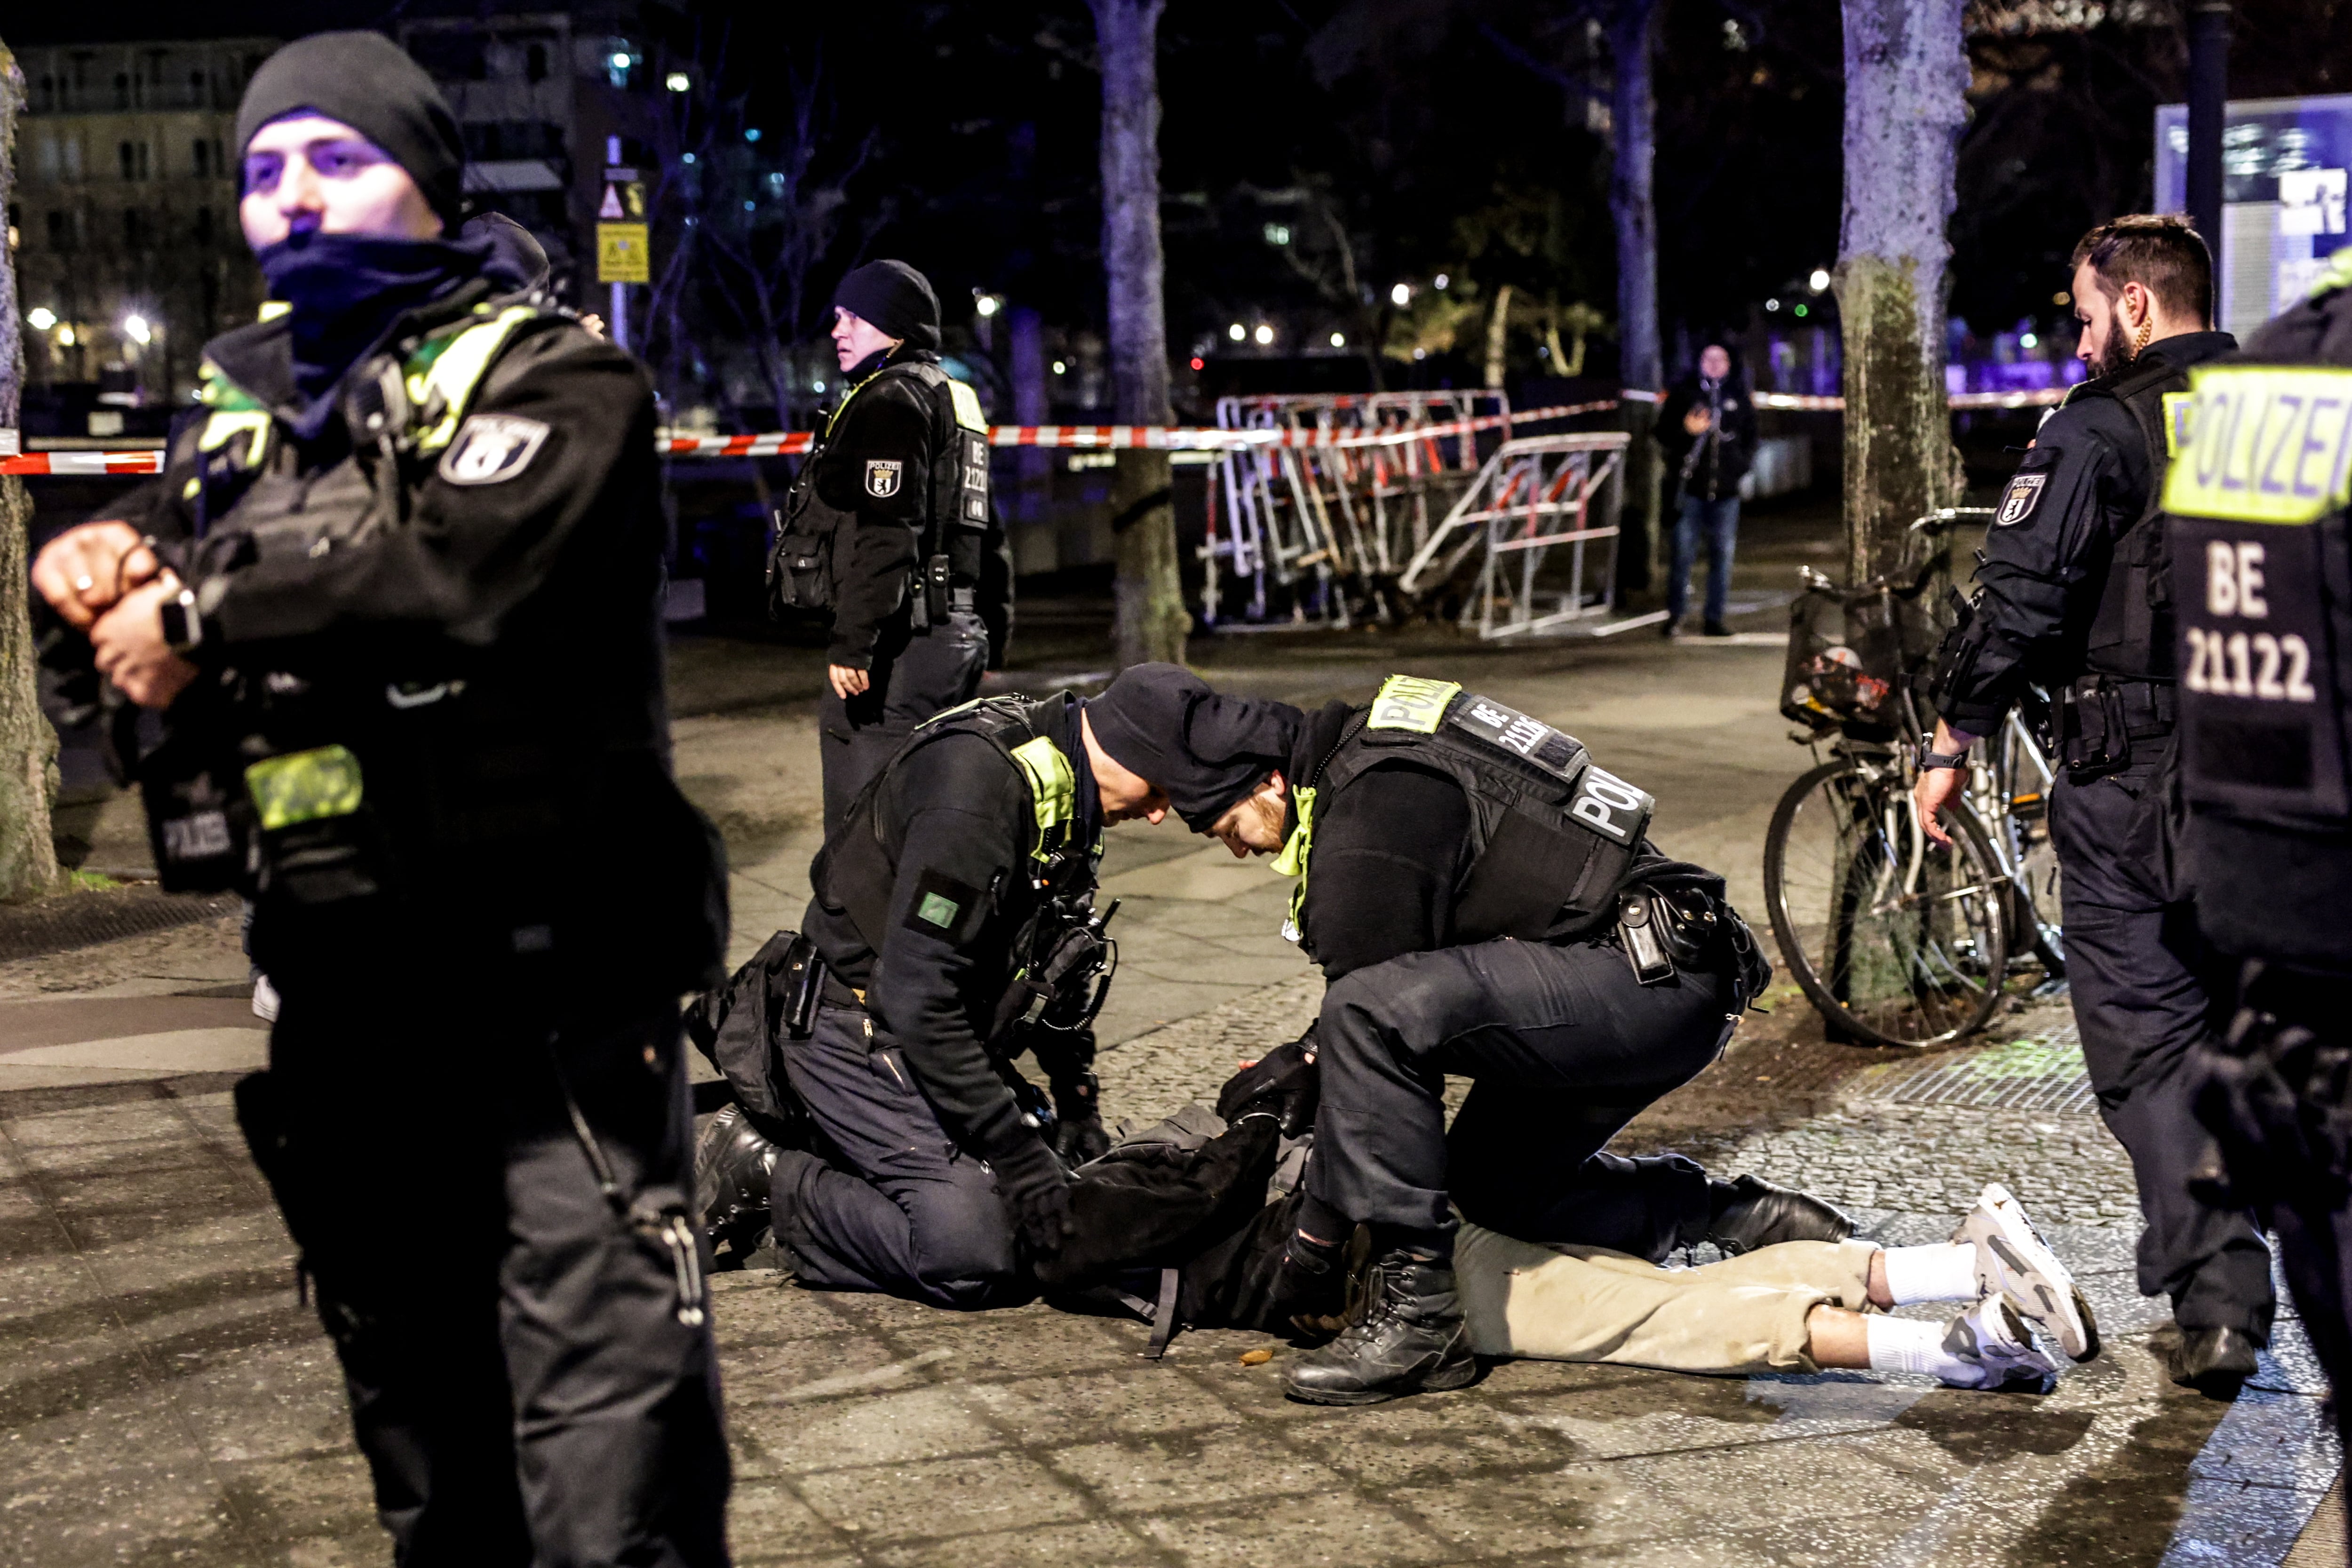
column 396, row 594
column 2076, row 593
column 2258, row 521
column 1428, row 830
column 890, row 526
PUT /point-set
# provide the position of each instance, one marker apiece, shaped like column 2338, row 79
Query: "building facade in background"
column 128, row 252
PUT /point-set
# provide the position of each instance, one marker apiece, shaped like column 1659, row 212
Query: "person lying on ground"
column 1184, row 1225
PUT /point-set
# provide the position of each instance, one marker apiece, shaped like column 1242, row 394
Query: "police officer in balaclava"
column 395, row 595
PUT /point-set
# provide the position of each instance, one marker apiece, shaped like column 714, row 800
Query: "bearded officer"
column 396, row 593
column 896, row 502
column 2074, row 595
column 1484, row 900
column 2258, row 523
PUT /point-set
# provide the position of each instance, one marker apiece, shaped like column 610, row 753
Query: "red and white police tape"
column 1099, row 437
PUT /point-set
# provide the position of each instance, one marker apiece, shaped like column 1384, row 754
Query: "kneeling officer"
column 953, row 916
column 396, row 592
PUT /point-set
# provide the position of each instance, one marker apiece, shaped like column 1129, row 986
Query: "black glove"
column 1312, row 1281
column 1079, row 1135
column 1283, row 1081
column 1037, row 1193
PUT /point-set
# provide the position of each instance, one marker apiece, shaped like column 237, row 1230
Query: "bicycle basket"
column 1848, row 652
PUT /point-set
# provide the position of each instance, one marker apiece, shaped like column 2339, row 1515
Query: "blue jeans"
column 1720, row 520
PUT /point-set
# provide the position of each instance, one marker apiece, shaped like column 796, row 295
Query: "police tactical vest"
column 2258, row 500
column 1552, row 836
column 2131, row 633
column 859, row 866
column 958, row 515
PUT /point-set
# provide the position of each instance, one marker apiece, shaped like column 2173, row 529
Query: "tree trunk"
column 1498, row 328
column 1907, row 71
column 1632, row 114
column 1151, row 621
column 29, row 747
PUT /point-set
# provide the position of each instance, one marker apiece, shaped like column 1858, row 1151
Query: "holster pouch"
column 803, row 988
column 1639, row 932
column 935, row 590
column 2093, row 736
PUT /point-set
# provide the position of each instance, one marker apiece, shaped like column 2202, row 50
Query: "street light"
column 621, row 60
column 1441, row 279
column 1237, row 331
column 66, row 339
column 136, row 329
column 1264, row 334
column 676, row 82
column 987, row 304
column 1338, row 340
column 1060, row 366
column 41, row 318
column 1400, row 295
column 1820, row 280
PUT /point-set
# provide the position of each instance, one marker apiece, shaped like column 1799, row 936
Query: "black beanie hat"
column 895, row 298
column 1162, row 722
column 365, row 80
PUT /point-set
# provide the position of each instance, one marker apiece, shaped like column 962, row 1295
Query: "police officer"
column 898, row 492
column 395, row 592
column 1484, row 900
column 2074, row 595
column 2258, row 532
column 952, row 917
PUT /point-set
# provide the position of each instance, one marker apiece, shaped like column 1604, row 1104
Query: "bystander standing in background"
column 1707, row 427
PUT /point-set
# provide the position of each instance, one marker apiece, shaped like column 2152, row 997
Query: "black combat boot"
column 1751, row 1213
column 732, row 1164
column 2216, row 1363
column 1410, row 1340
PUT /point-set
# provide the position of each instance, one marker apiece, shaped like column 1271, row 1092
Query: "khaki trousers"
column 1745, row 1314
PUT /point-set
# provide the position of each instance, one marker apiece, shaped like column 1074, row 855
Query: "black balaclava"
column 365, row 80
column 895, row 298
column 517, row 260
column 1205, row 751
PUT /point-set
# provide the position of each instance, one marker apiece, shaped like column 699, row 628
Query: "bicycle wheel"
column 2035, row 922
column 1898, row 940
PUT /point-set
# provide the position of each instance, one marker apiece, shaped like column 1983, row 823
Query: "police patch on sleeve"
column 946, row 909
column 490, row 448
column 882, row 477
column 2026, row 487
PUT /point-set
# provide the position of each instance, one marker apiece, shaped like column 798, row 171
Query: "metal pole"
column 2208, row 94
column 617, row 324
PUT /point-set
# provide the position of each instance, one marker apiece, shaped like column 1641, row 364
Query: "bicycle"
column 1897, row 940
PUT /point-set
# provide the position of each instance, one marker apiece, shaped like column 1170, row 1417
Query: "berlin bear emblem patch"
column 882, row 477
column 490, row 448
column 2017, row 504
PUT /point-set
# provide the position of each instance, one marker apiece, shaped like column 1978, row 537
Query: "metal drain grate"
column 69, row 920
column 2042, row 1072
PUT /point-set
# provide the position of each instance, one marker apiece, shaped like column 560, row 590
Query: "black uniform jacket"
column 961, row 815
column 547, row 791
column 1391, row 852
column 2042, row 574
column 882, row 437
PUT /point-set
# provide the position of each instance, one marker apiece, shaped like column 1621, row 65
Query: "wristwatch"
column 1930, row 758
column 183, row 629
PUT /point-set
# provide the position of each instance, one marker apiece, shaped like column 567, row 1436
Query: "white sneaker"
column 265, row 999
column 1992, row 1341
column 2012, row 1258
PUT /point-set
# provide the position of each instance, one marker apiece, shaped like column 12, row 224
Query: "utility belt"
column 2096, row 718
column 933, row 594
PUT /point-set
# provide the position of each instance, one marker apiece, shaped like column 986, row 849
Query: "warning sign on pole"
column 623, row 254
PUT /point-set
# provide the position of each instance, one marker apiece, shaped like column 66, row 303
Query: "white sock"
column 1907, row 1345
column 1945, row 1272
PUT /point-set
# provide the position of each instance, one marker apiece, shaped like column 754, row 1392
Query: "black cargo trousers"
column 1564, row 1046
column 521, row 1379
column 914, row 676
column 2141, row 980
